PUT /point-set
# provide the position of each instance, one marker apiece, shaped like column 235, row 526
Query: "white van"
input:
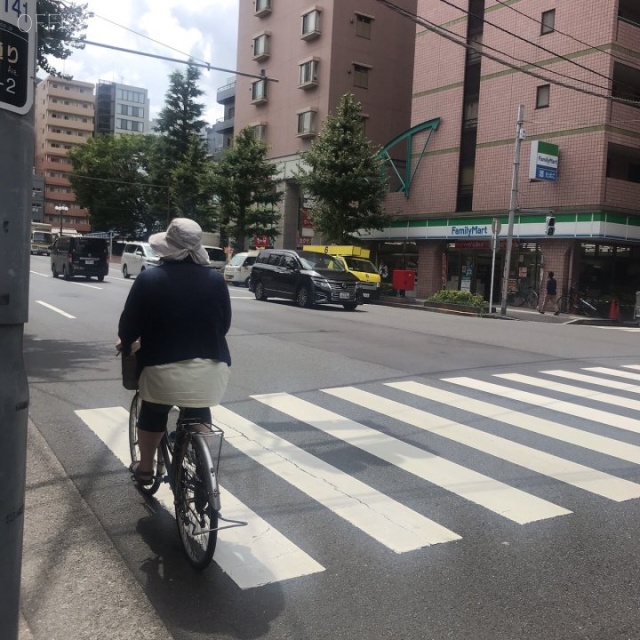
column 136, row 257
column 237, row 272
column 217, row 257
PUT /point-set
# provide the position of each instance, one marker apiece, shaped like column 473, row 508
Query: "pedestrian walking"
column 550, row 295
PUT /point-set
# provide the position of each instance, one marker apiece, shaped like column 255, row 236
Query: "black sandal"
column 143, row 478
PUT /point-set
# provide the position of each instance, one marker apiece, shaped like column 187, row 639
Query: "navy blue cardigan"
column 180, row 311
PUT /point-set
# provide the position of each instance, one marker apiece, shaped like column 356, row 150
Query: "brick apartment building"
column 64, row 119
column 318, row 53
column 464, row 115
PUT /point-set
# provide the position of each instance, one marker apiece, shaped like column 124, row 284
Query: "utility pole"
column 513, row 205
column 17, row 81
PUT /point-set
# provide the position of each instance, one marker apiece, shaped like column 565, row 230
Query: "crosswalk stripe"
column 601, row 382
column 496, row 496
column 631, row 366
column 544, row 402
column 605, row 398
column 252, row 556
column 534, row 424
column 389, row 522
column 628, row 375
column 572, row 473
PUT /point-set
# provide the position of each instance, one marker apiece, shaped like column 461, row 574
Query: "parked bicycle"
column 188, row 460
column 576, row 302
column 523, row 295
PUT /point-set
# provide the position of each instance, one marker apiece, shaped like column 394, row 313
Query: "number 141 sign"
column 17, row 54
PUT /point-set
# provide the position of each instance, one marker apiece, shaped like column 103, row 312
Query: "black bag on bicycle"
column 130, row 372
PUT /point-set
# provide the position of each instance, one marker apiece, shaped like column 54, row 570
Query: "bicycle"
column 524, row 295
column 186, row 463
column 575, row 302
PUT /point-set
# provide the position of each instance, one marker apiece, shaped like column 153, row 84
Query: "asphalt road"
column 406, row 475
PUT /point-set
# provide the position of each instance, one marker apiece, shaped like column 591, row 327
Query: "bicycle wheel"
column 564, row 304
column 532, row 299
column 196, row 518
column 517, row 299
column 134, row 412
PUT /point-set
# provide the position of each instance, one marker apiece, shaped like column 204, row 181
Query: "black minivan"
column 73, row 256
column 305, row 277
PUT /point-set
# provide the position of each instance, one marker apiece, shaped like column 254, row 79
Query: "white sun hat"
column 182, row 238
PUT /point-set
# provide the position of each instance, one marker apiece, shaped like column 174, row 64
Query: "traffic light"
column 550, row 228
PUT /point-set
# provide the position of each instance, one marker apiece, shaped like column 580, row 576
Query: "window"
column 363, row 25
column 307, row 123
column 261, row 47
column 259, row 91
column 263, row 7
column 259, row 131
column 360, row 76
column 311, row 24
column 308, row 74
column 542, row 96
column 548, row 22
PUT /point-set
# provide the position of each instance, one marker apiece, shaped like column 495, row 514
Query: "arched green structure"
column 406, row 176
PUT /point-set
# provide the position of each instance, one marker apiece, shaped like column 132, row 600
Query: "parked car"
column 136, row 257
column 73, row 256
column 238, row 270
column 217, row 257
column 305, row 277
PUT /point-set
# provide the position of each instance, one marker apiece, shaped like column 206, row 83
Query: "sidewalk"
column 75, row 585
column 513, row 313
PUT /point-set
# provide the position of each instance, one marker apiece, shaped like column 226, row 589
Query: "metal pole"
column 494, row 242
column 16, row 167
column 512, row 208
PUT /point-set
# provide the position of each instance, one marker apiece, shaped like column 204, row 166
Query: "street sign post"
column 17, row 79
column 496, row 225
column 17, row 55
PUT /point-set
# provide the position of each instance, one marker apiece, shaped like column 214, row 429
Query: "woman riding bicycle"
column 180, row 312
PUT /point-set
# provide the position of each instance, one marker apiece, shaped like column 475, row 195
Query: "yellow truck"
column 356, row 260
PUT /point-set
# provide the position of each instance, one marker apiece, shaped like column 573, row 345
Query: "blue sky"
column 204, row 29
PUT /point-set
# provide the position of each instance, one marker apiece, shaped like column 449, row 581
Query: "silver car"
column 136, row 257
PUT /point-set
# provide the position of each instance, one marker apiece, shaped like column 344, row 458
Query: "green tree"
column 345, row 177
column 181, row 118
column 60, row 27
column 113, row 178
column 182, row 159
column 243, row 182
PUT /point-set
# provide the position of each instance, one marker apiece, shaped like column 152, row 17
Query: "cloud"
column 203, row 29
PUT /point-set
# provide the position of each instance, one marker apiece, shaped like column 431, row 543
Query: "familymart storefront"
column 600, row 251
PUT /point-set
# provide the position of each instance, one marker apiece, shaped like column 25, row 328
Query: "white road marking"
column 496, row 496
column 534, row 424
column 37, row 273
column 60, row 311
column 252, row 556
column 544, row 402
column 602, row 382
column 605, row 398
column 628, row 375
column 572, row 473
column 384, row 519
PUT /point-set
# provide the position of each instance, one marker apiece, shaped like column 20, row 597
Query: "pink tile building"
column 317, row 52
column 581, row 94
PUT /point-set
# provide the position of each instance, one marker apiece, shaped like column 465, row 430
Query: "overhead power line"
column 537, row 46
column 462, row 41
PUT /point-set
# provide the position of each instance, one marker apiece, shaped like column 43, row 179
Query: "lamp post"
column 61, row 209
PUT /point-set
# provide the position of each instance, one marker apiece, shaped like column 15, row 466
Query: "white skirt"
column 189, row 383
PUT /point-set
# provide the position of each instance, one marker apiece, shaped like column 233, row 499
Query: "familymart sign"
column 544, row 161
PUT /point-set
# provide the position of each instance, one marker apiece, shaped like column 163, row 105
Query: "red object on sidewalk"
column 403, row 279
column 614, row 310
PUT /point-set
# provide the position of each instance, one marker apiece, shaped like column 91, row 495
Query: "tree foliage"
column 345, row 177
column 185, row 165
column 245, row 190
column 60, row 27
column 113, row 178
column 181, row 118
